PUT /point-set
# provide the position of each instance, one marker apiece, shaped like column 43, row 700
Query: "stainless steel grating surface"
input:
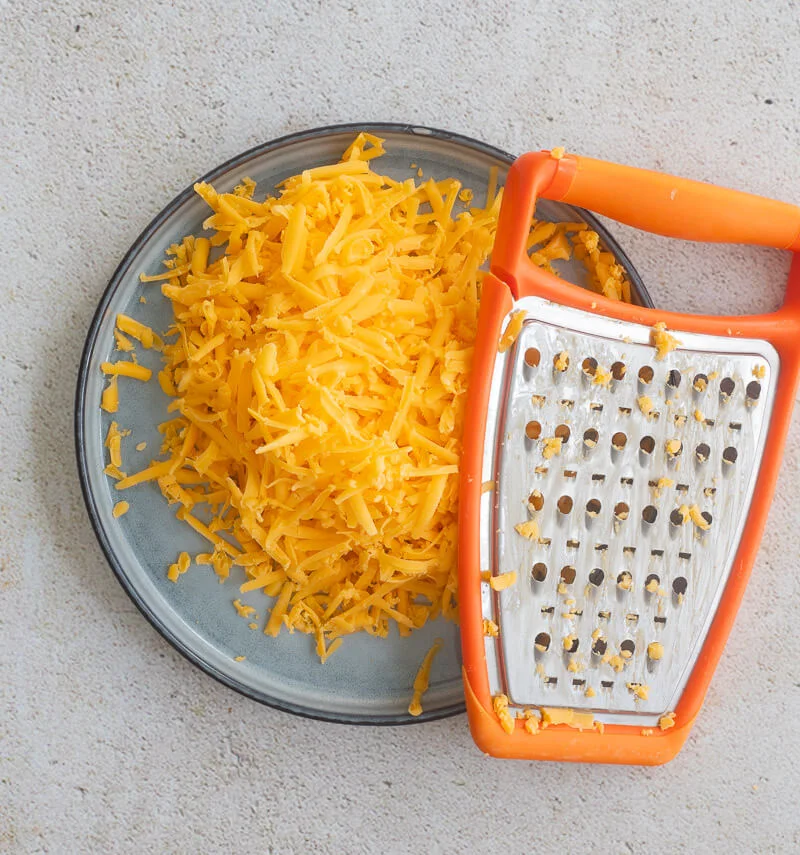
column 617, row 565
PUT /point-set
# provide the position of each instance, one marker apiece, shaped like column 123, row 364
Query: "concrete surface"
column 109, row 740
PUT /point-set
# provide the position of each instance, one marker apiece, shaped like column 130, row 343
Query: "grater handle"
column 674, row 207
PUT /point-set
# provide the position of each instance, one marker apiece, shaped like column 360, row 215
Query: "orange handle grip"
column 674, row 207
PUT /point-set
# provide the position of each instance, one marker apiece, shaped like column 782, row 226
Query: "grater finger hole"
column 564, row 504
column 700, row 383
column 596, row 577
column 619, row 441
column 647, row 444
column 726, row 387
column 679, row 585
column 627, row 648
column 532, row 357
column 568, row 574
column 536, row 500
column 625, row 581
column 561, row 361
column 600, row 646
column 676, row 518
column 646, row 375
column 593, row 507
column 539, row 571
column 571, row 643
column 621, row 510
column 674, row 379
column 651, row 583
column 753, row 391
column 618, row 370
column 589, row 366
column 702, row 452
column 542, row 642
column 649, row 514
column 590, row 438
column 563, row 433
column 533, row 430
column 729, row 455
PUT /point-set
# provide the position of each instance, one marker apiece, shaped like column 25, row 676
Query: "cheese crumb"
column 466, row 196
column 673, row 447
column 639, row 690
column 558, row 152
column 617, row 663
column 645, row 403
column 698, row 416
column 503, row 581
column 529, row 529
column 667, row 721
column 655, row 650
column 490, row 628
column 119, row 509
column 531, row 720
column 243, row 610
column 568, row 641
column 663, row 342
column 590, row 692
column 551, row 447
column 500, row 707
column 602, row 377
column 140, row 446
column 698, row 519
column 239, row 658
column 561, row 362
column 760, row 371
column 487, row 486
column 512, row 330
column 422, row 680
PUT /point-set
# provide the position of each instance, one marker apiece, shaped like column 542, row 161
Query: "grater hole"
column 684, row 556
column 729, row 455
column 598, row 476
column 538, row 400
column 625, row 581
column 726, row 387
column 650, row 514
column 561, row 361
column 536, row 500
column 646, row 375
column 627, row 648
column 564, row 504
column 589, row 366
column 548, row 610
column 532, row 357
column 652, row 582
column 570, row 643
column 567, row 403
column 680, row 420
column 607, row 684
column 573, row 544
column 542, row 642
column 551, row 681
column 618, row 370
column 539, row 571
column 570, row 473
column 753, row 390
column 679, row 585
column 735, row 425
column 619, row 441
column 676, row 518
column 660, row 619
column 629, row 550
column 593, row 507
column 604, row 614
column 621, row 510
column 647, row 444
column 707, row 517
column 674, row 378
column 578, row 683
column 674, row 448
column 533, row 430
column 600, row 646
column 632, row 618
column 567, row 574
column 700, row 383
column 590, row 438
column 596, row 577
column 702, row 452
column 626, row 482
column 563, row 433
column 625, row 411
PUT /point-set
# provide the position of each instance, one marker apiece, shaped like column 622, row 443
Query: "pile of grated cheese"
column 318, row 371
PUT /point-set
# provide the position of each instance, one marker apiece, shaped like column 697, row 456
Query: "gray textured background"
column 110, row 741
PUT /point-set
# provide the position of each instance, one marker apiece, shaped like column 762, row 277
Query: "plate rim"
column 90, row 343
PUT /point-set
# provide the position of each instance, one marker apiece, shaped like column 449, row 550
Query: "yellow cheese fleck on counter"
column 422, row 680
column 662, row 341
column 120, row 509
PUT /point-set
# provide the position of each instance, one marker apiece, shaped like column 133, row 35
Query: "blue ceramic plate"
column 368, row 680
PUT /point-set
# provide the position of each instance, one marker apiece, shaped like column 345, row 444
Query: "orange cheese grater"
column 616, row 476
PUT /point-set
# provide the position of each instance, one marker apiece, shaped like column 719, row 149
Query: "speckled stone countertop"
column 112, row 742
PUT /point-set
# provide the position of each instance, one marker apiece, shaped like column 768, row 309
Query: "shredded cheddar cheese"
column 551, row 447
column 119, row 509
column 500, row 707
column 318, row 365
column 511, row 331
column 662, row 341
column 490, row 628
column 503, row 581
column 529, row 529
column 422, row 680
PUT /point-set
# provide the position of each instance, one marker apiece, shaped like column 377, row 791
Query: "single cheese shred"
column 422, row 679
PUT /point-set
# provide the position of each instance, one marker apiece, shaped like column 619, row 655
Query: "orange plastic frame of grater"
column 669, row 206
